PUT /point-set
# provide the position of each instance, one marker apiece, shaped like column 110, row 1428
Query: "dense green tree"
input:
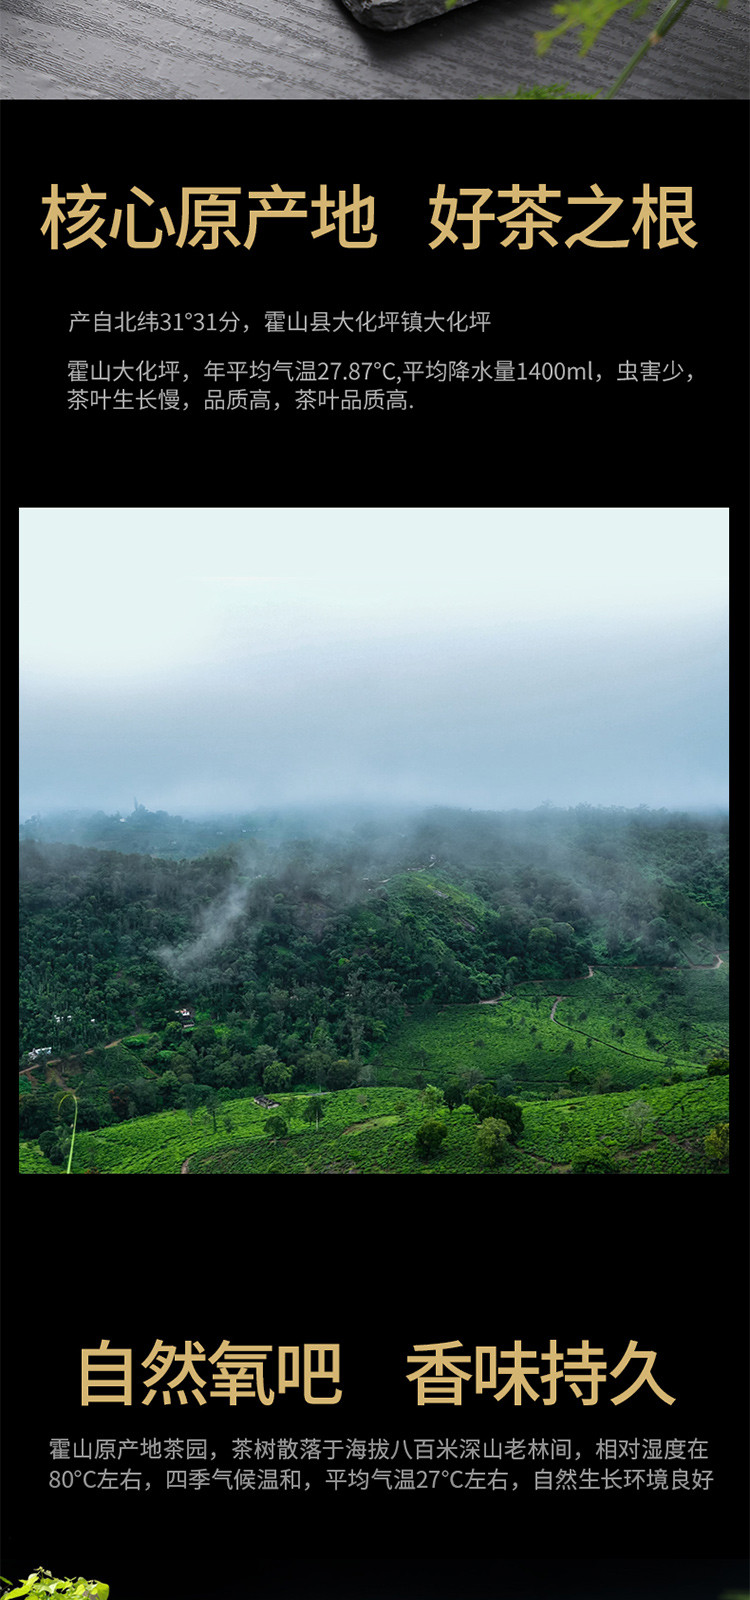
column 486, row 1103
column 429, row 1137
column 145, row 1096
column 341, row 1074
column 121, row 1100
column 492, row 1140
column 88, row 1114
column 592, row 1161
column 716, row 1145
column 211, row 1104
column 35, row 1115
column 55, row 1145
column 190, row 1097
column 277, row 1077
column 314, row 1110
column 717, row 1066
column 637, row 1119
column 263, row 1056
column 227, row 1075
column 168, row 1089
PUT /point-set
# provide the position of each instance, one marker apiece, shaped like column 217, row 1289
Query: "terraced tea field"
column 372, row 1131
column 634, row 1027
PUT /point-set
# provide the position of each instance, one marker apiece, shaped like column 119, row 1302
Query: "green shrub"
column 41, row 1583
column 492, row 1138
column 429, row 1137
column 718, row 1067
column 716, row 1145
column 592, row 1161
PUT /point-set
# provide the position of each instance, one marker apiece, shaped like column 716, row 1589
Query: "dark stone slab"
column 399, row 13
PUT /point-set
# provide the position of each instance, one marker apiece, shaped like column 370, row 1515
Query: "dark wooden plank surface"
column 314, row 50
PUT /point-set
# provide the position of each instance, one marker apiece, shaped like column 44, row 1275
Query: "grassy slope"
column 444, row 923
column 373, row 1131
column 517, row 1040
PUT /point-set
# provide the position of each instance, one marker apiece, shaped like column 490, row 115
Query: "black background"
column 378, row 1269
column 385, row 1265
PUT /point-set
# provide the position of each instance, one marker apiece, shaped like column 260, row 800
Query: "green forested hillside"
column 373, row 1131
column 545, row 954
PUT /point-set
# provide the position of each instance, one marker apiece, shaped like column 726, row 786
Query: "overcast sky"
column 220, row 659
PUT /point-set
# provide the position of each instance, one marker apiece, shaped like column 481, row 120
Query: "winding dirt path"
column 690, row 966
column 552, row 1166
column 58, row 1061
column 634, row 1054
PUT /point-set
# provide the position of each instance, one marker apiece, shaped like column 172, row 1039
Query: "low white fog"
column 213, row 659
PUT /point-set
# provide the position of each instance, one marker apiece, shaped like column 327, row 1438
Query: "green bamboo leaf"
column 590, row 16
column 542, row 91
column 41, row 1583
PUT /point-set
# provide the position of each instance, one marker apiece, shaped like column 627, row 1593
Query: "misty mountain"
column 448, row 906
